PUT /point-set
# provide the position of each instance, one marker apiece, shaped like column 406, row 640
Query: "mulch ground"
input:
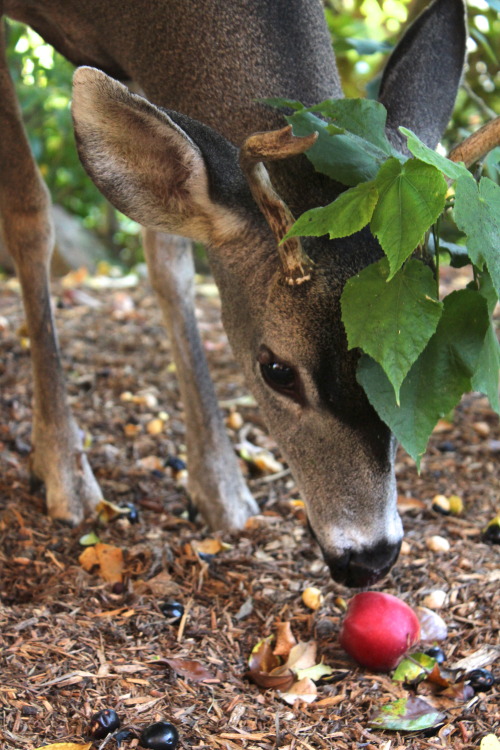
column 73, row 644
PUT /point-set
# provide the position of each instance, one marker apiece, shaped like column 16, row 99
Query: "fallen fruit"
column 162, row 735
column 172, row 610
column 133, row 514
column 378, row 630
column 491, row 533
column 436, row 653
column 480, row 680
column 103, row 723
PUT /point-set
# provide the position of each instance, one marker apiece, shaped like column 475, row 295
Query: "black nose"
column 361, row 569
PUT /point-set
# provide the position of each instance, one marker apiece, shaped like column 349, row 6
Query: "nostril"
column 361, row 569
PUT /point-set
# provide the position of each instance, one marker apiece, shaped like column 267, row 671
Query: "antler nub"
column 274, row 145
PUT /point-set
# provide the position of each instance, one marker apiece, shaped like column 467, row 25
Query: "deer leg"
column 215, row 482
column 57, row 457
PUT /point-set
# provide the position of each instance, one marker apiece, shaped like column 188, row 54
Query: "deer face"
column 304, row 379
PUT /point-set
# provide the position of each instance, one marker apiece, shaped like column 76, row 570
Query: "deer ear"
column 144, row 163
column 420, row 83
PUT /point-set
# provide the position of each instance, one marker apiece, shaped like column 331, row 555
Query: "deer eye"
column 279, row 375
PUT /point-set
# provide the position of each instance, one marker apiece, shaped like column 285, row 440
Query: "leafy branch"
column 419, row 353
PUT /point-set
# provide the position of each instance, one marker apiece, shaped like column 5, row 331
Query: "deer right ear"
column 144, row 163
column 421, row 80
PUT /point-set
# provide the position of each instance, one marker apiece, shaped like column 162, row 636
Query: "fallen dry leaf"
column 190, row 669
column 262, row 658
column 304, row 690
column 302, row 656
column 109, row 559
column 285, row 639
column 432, row 626
column 209, row 546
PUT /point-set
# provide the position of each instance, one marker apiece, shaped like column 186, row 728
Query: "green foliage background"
column 363, row 32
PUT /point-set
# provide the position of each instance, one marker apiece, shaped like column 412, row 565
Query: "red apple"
column 378, row 630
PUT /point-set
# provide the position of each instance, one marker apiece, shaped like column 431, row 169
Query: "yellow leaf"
column 107, row 511
column 490, row 742
column 210, row 546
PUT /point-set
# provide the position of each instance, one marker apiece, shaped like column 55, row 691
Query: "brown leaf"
column 280, row 681
column 285, row 639
column 460, row 691
column 262, row 658
column 437, row 678
column 409, row 503
column 190, row 669
column 108, row 558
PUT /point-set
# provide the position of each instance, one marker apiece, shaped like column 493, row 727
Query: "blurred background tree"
column 363, row 33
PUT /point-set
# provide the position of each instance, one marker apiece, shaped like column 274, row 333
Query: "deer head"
column 281, row 303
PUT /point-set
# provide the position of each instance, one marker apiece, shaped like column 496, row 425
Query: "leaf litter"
column 73, row 643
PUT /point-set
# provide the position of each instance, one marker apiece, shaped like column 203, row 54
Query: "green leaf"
column 439, row 377
column 407, row 715
column 477, row 213
column 364, row 118
column 316, row 673
column 412, row 196
column 88, row 540
column 349, row 213
column 486, row 377
column 279, row 103
column 392, row 321
column 414, row 668
column 351, row 143
column 426, row 154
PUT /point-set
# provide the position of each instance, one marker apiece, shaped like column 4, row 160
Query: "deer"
column 198, row 155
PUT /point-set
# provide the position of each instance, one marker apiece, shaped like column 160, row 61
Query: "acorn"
column 162, row 735
column 103, row 723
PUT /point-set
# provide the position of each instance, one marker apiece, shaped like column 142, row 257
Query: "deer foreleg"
column 215, row 482
column 57, row 456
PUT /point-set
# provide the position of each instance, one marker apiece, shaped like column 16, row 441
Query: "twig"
column 478, row 144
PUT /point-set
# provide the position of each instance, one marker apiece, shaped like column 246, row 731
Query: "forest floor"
column 72, row 643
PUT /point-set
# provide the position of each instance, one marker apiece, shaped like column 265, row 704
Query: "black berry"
column 176, row 464
column 491, row 533
column 103, row 722
column 437, row 654
column 172, row 610
column 480, row 680
column 133, row 516
column 160, row 736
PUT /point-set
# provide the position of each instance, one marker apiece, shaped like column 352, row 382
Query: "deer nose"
column 361, row 569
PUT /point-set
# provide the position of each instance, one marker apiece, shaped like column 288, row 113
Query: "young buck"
column 183, row 160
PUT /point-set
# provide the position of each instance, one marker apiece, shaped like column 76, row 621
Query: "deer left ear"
column 145, row 164
column 421, row 80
